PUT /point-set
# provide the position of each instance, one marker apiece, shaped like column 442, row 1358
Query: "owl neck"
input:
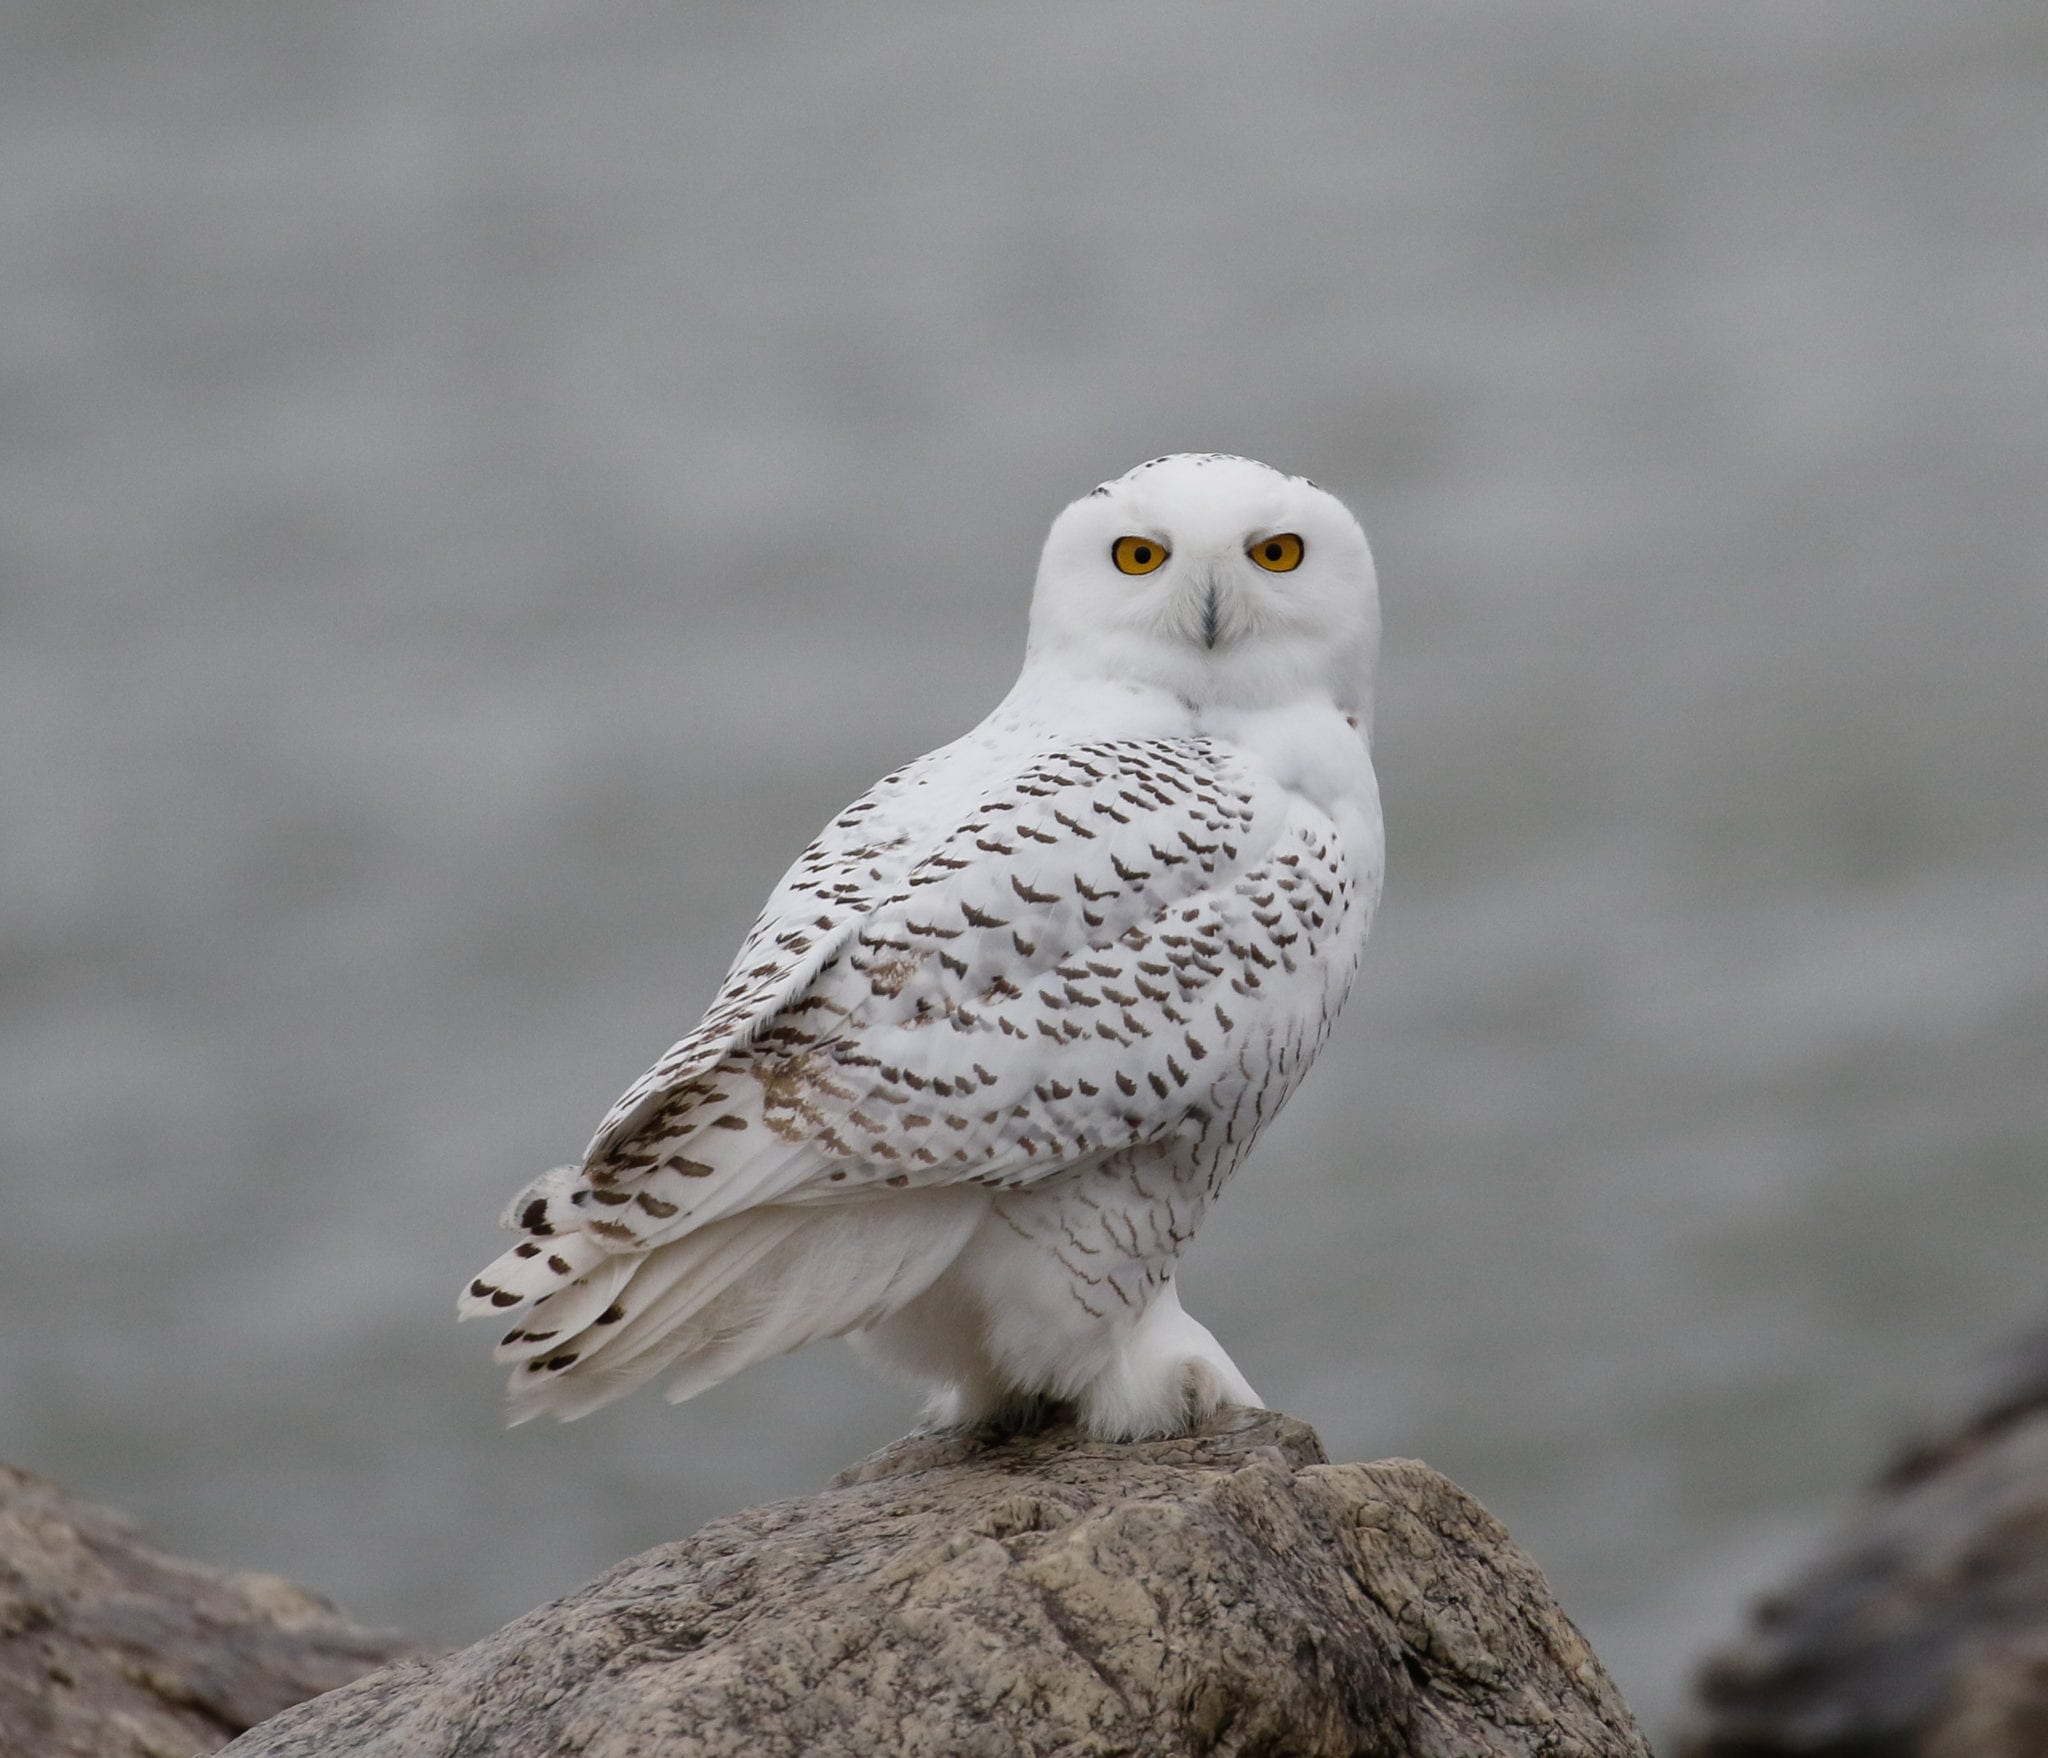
column 1058, row 704
column 1142, row 686
column 1310, row 745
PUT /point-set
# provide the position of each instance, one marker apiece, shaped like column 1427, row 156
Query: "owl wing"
column 856, row 860
column 1106, row 943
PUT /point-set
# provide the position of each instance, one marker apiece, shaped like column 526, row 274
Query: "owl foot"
column 1169, row 1378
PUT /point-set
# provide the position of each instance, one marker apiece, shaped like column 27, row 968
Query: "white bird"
column 1004, row 1030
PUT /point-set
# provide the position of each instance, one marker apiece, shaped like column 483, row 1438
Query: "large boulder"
column 1921, row 1629
column 111, row 1649
column 957, row 1595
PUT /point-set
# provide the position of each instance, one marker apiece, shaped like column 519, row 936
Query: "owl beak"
column 1205, row 605
column 1205, row 600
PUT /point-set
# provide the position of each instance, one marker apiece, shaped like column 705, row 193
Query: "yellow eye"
column 1277, row 555
column 1138, row 555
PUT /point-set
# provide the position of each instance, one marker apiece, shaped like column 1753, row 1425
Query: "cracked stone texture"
column 962, row 1596
column 1921, row 1629
column 112, row 1649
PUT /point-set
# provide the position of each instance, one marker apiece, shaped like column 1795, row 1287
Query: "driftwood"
column 959, row 1596
column 111, row 1649
column 1921, row 1630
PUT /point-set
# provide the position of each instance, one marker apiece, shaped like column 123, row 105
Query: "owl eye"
column 1138, row 555
column 1277, row 555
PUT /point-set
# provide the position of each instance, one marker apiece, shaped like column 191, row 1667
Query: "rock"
column 958, row 1596
column 112, row 1649
column 1920, row 1631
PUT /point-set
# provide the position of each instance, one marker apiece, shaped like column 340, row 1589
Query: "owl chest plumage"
column 1244, row 995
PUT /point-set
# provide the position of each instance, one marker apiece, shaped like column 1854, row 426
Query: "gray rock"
column 961, row 1596
column 1921, row 1630
column 111, row 1649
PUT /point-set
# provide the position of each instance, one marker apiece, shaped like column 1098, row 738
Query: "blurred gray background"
column 480, row 483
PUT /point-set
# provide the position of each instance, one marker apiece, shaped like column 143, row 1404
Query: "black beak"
column 1211, row 610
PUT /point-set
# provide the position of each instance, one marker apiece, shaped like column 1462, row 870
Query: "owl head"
column 1218, row 579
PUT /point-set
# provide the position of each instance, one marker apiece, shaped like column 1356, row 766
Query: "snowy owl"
column 1007, row 1026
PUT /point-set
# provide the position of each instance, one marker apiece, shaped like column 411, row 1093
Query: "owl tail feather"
column 739, row 1291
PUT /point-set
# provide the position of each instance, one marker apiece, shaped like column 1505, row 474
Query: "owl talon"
column 1170, row 1378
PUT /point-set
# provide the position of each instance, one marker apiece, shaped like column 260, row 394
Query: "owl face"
column 1217, row 578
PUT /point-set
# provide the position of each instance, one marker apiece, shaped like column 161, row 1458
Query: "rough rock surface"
column 1920, row 1631
column 959, row 1596
column 111, row 1649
